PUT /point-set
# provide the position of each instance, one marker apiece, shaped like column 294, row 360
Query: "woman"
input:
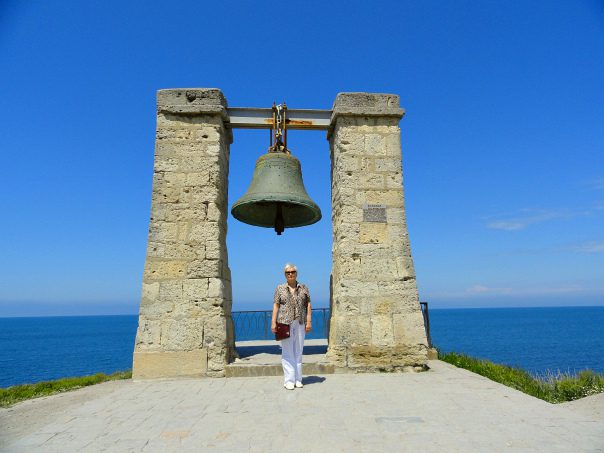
column 292, row 306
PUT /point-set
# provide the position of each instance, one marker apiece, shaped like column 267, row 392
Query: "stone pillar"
column 376, row 319
column 185, row 326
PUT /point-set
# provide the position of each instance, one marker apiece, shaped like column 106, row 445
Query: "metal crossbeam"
column 252, row 118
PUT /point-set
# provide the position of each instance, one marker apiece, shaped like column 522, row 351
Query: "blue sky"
column 503, row 140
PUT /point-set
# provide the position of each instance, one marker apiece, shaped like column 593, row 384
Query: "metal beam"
column 252, row 118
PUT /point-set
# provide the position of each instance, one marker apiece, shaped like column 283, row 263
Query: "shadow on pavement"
column 309, row 380
column 247, row 351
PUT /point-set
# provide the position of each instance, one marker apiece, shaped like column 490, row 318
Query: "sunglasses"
column 290, row 272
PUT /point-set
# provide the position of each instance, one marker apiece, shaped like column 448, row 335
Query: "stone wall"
column 185, row 326
column 376, row 320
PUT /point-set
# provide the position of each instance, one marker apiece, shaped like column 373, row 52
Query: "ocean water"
column 536, row 339
column 566, row 339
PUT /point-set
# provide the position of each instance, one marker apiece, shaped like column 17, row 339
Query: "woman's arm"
column 308, row 317
column 274, row 318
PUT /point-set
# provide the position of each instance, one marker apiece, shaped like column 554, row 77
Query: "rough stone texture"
column 185, row 326
column 443, row 410
column 376, row 320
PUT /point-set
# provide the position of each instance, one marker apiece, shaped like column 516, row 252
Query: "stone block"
column 174, row 134
column 404, row 267
column 346, row 162
column 388, row 164
column 386, row 357
column 343, row 231
column 215, row 212
column 395, row 215
column 204, row 268
column 171, row 290
column 214, row 250
column 379, row 305
column 195, row 289
column 217, row 358
column 165, row 163
column 372, row 233
column 344, row 286
column 150, row 291
column 349, row 305
column 381, row 329
column 367, row 104
column 165, row 194
column 410, row 327
column 367, row 164
column 208, row 133
column 336, row 354
column 190, row 96
column 403, row 290
column 375, row 144
column 204, row 194
column 350, row 329
column 214, row 331
column 175, row 251
column 393, row 145
column 163, row 231
column 156, row 309
column 156, row 269
column 200, row 178
column 389, row 197
column 202, row 232
column 393, row 180
column 371, row 181
column 183, row 334
column 168, row 364
column 148, row 333
column 200, row 308
column 216, row 288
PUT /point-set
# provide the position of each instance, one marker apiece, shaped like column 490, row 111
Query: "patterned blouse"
column 292, row 306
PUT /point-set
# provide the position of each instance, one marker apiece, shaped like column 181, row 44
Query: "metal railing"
column 256, row 324
column 426, row 315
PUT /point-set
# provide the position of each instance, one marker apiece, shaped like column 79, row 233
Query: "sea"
column 543, row 341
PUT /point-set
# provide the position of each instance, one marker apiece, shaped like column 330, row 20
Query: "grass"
column 554, row 388
column 17, row 393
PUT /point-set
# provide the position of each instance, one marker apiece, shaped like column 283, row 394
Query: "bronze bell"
column 276, row 197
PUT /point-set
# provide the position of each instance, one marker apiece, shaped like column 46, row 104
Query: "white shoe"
column 299, row 384
column 289, row 385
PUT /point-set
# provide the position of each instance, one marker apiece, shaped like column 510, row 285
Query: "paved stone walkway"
column 444, row 409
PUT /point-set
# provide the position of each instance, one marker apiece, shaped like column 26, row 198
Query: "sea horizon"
column 540, row 340
column 322, row 307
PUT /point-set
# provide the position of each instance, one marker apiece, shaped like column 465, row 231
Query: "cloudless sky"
column 503, row 140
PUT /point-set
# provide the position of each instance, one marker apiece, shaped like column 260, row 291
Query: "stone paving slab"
column 444, row 409
column 269, row 352
column 263, row 358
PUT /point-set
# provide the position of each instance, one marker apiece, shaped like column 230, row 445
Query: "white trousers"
column 291, row 353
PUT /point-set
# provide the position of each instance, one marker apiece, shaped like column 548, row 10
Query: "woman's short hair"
column 290, row 266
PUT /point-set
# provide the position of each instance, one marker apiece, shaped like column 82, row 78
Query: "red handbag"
column 282, row 331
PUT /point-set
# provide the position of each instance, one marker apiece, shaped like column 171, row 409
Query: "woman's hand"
column 274, row 327
column 308, row 326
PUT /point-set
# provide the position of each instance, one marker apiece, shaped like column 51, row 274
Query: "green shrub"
column 554, row 388
column 17, row 393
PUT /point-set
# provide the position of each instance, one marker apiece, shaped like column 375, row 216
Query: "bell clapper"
column 279, row 145
column 279, row 222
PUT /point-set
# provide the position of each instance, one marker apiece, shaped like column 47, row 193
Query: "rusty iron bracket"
column 262, row 118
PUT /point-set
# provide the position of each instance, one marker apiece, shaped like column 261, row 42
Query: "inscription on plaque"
column 374, row 213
